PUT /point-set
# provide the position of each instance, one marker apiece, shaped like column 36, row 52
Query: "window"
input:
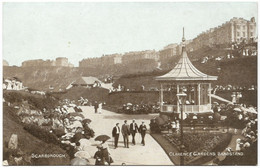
column 244, row 27
column 238, row 27
column 238, row 34
column 251, row 27
column 244, row 34
column 251, row 34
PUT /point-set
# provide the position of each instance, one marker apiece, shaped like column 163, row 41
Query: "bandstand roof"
column 185, row 71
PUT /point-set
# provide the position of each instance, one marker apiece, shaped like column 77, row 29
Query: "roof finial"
column 183, row 38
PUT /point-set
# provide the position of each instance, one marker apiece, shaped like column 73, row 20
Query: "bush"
column 42, row 134
column 37, row 101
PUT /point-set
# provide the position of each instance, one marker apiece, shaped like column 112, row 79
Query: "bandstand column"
column 199, row 96
column 161, row 101
column 178, row 91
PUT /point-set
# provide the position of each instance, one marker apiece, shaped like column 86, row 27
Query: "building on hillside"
column 107, row 60
column 168, row 51
column 118, row 59
column 32, row 63
column 12, row 84
column 88, row 82
column 62, row 61
column 48, row 63
column 188, row 47
column 234, row 31
column 90, row 63
column 5, row 63
column 70, row 65
column 139, row 55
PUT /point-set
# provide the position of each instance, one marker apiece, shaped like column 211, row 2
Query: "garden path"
column 150, row 154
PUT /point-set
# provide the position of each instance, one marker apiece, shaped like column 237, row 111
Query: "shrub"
column 37, row 101
column 42, row 134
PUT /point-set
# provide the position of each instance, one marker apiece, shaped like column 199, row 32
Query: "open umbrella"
column 87, row 120
column 77, row 109
column 79, row 162
column 159, row 121
column 165, row 118
column 102, row 138
column 129, row 104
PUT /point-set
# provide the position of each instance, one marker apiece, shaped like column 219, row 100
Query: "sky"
column 47, row 30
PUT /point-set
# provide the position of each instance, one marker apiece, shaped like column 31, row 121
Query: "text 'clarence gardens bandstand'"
column 187, row 79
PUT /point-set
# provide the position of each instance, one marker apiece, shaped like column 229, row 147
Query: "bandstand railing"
column 187, row 108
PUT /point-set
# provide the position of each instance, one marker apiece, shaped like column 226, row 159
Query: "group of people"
column 139, row 108
column 127, row 130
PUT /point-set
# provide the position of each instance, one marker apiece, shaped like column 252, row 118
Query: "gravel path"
column 150, row 154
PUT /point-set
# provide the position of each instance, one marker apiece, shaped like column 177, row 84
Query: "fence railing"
column 187, row 108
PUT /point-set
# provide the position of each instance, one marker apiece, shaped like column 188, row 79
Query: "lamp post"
column 181, row 100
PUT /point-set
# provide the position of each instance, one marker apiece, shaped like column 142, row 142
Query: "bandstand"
column 188, row 79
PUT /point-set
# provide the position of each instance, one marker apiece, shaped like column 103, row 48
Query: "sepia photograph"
column 129, row 83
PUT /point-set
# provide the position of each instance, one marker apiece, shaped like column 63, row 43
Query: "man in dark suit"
column 133, row 130
column 115, row 134
column 142, row 130
column 126, row 132
column 96, row 106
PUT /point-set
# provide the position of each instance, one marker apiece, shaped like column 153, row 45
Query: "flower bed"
column 200, row 142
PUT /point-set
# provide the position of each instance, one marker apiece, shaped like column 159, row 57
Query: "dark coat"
column 125, row 129
column 99, row 158
column 133, row 126
column 142, row 129
column 114, row 131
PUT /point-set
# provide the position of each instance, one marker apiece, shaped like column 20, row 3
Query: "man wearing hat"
column 142, row 130
column 115, row 133
column 133, row 130
column 126, row 132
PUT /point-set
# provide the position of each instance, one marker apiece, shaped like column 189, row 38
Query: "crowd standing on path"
column 127, row 130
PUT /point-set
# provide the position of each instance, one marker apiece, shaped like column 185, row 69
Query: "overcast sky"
column 83, row 30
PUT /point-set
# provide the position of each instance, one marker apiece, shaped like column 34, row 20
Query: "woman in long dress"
column 99, row 156
column 106, row 152
column 100, row 108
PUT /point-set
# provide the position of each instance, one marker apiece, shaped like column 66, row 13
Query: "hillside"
column 27, row 143
column 237, row 71
column 60, row 77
